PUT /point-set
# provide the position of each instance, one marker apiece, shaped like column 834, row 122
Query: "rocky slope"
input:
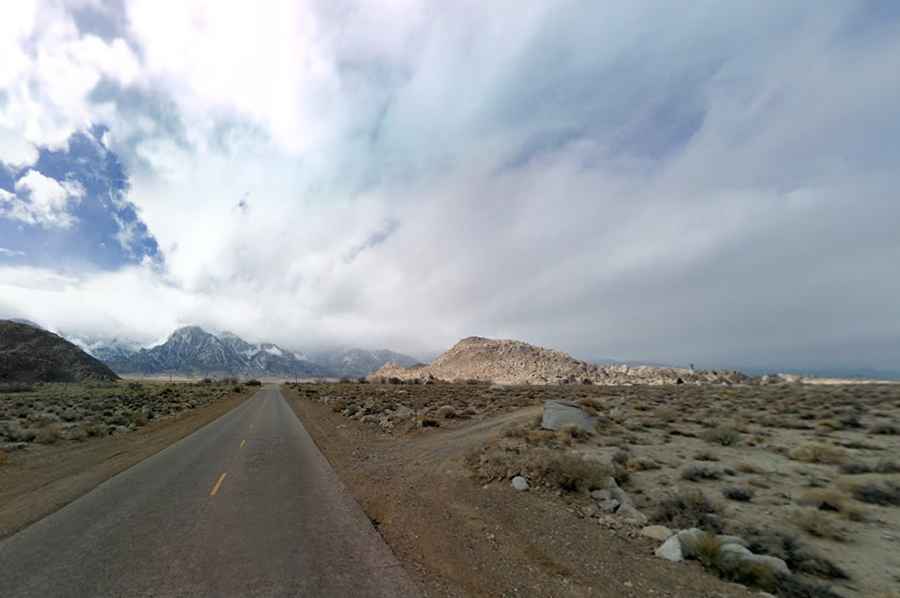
column 194, row 351
column 31, row 354
column 516, row 362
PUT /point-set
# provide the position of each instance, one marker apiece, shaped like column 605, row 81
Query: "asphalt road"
column 246, row 506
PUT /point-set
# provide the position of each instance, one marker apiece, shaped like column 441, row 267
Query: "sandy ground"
column 44, row 478
column 459, row 538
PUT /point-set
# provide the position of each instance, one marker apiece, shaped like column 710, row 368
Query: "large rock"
column 559, row 414
column 670, row 550
column 520, row 483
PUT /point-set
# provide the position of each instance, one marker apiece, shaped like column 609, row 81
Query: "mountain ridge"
column 29, row 353
column 191, row 350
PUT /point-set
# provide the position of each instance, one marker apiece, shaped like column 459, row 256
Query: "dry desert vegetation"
column 48, row 413
column 791, row 489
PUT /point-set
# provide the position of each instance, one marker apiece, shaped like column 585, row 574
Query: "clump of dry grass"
column 4, row 458
column 819, row 453
column 818, row 524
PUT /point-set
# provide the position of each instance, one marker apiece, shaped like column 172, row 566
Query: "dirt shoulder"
column 36, row 482
column 458, row 538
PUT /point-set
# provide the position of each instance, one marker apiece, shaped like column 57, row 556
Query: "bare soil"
column 458, row 537
column 39, row 479
column 808, row 473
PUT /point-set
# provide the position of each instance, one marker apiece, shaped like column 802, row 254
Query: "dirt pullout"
column 458, row 538
column 41, row 480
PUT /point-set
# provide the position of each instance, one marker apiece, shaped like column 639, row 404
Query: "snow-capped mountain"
column 106, row 350
column 192, row 350
column 351, row 363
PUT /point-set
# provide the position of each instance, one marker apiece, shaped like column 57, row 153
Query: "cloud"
column 11, row 252
column 41, row 200
column 710, row 184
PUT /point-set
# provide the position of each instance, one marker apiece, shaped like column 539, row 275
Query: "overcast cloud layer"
column 678, row 182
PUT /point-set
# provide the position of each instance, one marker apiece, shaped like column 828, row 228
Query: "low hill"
column 31, row 354
column 516, row 362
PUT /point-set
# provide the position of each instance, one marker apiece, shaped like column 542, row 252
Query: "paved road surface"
column 246, row 506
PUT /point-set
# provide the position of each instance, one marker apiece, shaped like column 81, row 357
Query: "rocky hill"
column 31, row 354
column 516, row 362
column 194, row 351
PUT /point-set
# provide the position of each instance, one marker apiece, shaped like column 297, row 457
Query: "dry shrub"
column 819, row 453
column 886, row 429
column 688, row 509
column 824, row 500
column 749, row 468
column 695, row 473
column 49, row 434
column 800, row 557
column 542, row 467
column 887, row 466
column 884, row 493
column 738, row 493
column 855, row 468
column 818, row 524
column 706, row 455
column 3, row 457
column 571, row 433
column 722, row 435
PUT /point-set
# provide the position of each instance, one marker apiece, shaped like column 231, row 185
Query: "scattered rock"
column 601, row 495
column 657, row 532
column 609, row 505
column 628, row 511
column 520, row 483
column 670, row 550
column 558, row 414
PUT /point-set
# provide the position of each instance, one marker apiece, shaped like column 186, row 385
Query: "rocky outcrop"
column 515, row 362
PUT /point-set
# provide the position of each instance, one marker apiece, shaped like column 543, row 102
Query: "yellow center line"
column 215, row 488
column 243, row 442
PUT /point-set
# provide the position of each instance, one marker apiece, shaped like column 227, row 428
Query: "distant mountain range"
column 28, row 353
column 194, row 351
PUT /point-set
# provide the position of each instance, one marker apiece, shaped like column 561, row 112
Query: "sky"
column 677, row 182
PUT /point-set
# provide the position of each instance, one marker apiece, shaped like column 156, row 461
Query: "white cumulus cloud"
column 41, row 200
